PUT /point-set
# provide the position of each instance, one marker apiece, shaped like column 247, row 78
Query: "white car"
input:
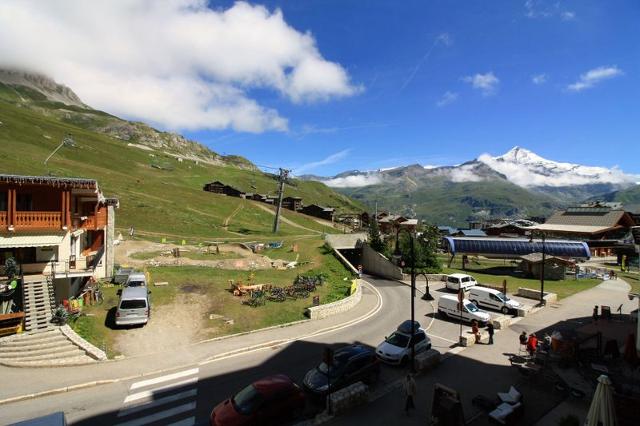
column 455, row 282
column 396, row 349
column 493, row 299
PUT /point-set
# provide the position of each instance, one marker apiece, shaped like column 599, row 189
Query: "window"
column 248, row 400
column 133, row 304
column 419, row 338
column 3, row 201
column 358, row 364
column 399, row 340
column 24, row 202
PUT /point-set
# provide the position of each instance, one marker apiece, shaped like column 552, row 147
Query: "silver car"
column 134, row 307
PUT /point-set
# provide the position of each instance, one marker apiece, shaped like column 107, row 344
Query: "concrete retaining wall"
column 91, row 350
column 376, row 264
column 344, row 261
column 323, row 311
column 349, row 397
column 344, row 241
column 530, row 293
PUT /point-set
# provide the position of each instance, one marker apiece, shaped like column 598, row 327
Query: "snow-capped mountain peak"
column 527, row 169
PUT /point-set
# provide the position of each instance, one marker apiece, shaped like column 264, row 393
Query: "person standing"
column 490, row 330
column 595, row 314
column 532, row 344
column 475, row 330
column 410, row 390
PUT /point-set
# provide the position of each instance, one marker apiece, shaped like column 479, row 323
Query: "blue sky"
column 397, row 118
column 324, row 86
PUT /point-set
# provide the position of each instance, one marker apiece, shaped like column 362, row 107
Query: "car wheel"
column 405, row 360
column 429, row 347
column 372, row 378
column 505, row 310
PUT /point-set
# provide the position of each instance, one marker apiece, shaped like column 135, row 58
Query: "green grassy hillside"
column 159, row 195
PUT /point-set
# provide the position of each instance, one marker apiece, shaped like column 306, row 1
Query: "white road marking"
column 162, row 379
column 160, row 415
column 149, row 393
column 268, row 345
column 157, row 402
column 442, row 338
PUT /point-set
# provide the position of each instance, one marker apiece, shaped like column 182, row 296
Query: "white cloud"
column 333, row 158
column 447, row 98
column 547, row 9
column 593, row 77
column 355, row 181
column 539, row 79
column 178, row 64
column 445, row 39
column 487, row 83
column 463, row 173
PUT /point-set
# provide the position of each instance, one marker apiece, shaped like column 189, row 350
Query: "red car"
column 272, row 400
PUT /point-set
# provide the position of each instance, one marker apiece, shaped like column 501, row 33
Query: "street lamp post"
column 544, row 253
column 413, row 291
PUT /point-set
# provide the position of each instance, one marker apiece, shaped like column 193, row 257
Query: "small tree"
column 425, row 246
column 375, row 239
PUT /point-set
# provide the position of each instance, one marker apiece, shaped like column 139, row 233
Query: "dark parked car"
column 269, row 401
column 351, row 364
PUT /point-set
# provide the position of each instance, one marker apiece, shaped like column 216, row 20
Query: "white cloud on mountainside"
column 593, row 77
column 178, row 64
column 355, row 181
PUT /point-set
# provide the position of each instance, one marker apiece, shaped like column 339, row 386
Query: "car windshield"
column 135, row 283
column 247, row 400
column 336, row 368
column 399, row 340
column 471, row 307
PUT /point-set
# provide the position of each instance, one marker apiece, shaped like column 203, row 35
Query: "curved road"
column 188, row 395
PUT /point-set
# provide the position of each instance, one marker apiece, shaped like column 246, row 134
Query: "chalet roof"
column 66, row 182
column 409, row 222
column 577, row 229
column 325, row 209
column 471, row 232
column 448, row 229
column 292, row 198
column 537, row 258
column 602, row 217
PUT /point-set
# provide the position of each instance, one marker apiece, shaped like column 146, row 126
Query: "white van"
column 494, row 299
column 448, row 307
column 134, row 307
column 136, row 279
column 455, row 282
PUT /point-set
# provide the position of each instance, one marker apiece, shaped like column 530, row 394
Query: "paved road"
column 186, row 396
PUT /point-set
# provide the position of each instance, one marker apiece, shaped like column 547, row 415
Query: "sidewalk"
column 485, row 370
column 33, row 381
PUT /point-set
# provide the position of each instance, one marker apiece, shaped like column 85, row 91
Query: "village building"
column 446, row 231
column 602, row 228
column 218, row 187
column 319, row 211
column 59, row 231
column 469, row 233
column 507, row 230
column 555, row 268
column 292, row 203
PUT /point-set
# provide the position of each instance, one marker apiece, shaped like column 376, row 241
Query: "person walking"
column 532, row 344
column 410, row 390
column 595, row 314
column 490, row 331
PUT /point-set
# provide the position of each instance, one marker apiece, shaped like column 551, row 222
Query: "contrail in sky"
column 443, row 38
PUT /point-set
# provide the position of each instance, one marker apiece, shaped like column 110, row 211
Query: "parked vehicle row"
column 134, row 306
column 278, row 399
column 480, row 296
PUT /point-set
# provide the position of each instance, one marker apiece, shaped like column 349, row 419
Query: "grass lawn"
column 493, row 272
column 214, row 284
column 632, row 278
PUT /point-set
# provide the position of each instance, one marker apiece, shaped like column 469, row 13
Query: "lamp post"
column 544, row 253
column 413, row 292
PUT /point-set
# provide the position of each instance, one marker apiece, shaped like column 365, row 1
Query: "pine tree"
column 375, row 239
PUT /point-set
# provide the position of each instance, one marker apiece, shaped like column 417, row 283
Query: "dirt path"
column 285, row 220
column 225, row 224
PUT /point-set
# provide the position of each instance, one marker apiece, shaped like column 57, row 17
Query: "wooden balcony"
column 4, row 219
column 38, row 220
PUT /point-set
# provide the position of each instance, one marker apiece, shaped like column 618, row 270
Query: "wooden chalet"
column 292, row 203
column 218, row 187
column 319, row 211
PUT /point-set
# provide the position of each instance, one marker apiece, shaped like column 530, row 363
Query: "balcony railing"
column 4, row 219
column 38, row 220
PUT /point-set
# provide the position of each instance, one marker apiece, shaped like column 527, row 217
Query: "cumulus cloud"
column 355, row 181
column 178, row 64
column 593, row 77
column 539, row 79
column 447, row 98
column 464, row 173
column 487, row 83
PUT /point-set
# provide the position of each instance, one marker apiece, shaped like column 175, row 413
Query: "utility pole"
column 284, row 173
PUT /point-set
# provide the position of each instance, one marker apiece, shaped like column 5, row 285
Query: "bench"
column 11, row 323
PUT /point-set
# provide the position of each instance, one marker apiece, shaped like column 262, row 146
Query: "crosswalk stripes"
column 169, row 399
